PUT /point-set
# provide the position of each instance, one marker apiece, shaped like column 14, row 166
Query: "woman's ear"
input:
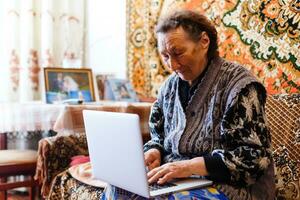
column 204, row 40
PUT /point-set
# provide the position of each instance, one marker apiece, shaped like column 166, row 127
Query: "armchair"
column 283, row 117
column 55, row 153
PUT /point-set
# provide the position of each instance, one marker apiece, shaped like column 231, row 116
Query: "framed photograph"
column 63, row 84
column 119, row 90
column 101, row 81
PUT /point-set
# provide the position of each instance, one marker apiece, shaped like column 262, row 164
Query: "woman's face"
column 182, row 55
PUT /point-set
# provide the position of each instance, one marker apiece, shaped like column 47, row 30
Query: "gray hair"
column 192, row 23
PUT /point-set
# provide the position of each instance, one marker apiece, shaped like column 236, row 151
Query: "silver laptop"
column 116, row 153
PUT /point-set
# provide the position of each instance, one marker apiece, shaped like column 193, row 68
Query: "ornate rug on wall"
column 262, row 35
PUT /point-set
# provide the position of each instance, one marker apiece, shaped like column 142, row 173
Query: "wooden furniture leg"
column 3, row 141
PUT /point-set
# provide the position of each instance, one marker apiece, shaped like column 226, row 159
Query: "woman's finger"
column 153, row 171
column 153, row 165
column 167, row 177
column 157, row 173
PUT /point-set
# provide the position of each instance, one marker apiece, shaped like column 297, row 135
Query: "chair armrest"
column 283, row 117
column 54, row 156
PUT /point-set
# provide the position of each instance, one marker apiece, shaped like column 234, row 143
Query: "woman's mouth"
column 179, row 71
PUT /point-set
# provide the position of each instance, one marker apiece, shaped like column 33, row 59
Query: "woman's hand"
column 152, row 158
column 179, row 169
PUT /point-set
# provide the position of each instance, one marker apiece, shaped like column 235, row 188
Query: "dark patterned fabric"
column 54, row 156
column 65, row 148
column 223, row 117
column 66, row 187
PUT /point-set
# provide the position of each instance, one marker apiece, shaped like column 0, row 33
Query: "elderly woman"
column 209, row 117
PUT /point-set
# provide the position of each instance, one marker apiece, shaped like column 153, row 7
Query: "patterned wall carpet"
column 263, row 35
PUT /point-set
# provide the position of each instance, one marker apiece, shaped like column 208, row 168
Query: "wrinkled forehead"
column 172, row 38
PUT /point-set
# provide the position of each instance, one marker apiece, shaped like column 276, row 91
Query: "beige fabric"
column 83, row 172
column 17, row 156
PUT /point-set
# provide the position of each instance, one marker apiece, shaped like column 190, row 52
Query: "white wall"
column 106, row 38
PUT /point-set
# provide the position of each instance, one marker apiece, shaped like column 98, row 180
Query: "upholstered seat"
column 14, row 163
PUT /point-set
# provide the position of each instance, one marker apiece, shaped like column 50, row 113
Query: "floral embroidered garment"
column 223, row 121
column 114, row 193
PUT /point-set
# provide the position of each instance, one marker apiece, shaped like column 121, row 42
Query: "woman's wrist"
column 197, row 166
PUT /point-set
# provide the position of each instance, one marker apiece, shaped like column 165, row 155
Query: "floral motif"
column 271, row 69
column 48, row 60
column 271, row 29
column 14, row 69
column 66, row 187
column 265, row 39
column 34, row 69
column 287, row 174
column 272, row 9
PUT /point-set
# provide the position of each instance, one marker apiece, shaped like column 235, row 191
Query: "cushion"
column 83, row 173
column 75, row 160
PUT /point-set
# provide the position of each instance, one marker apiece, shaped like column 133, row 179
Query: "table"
column 35, row 116
column 27, row 117
column 71, row 118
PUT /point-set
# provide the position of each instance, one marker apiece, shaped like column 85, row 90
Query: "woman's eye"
column 178, row 53
column 165, row 57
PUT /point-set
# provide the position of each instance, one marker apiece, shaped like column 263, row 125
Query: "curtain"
column 37, row 34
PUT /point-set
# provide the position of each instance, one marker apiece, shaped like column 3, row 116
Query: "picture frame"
column 67, row 84
column 119, row 90
column 101, row 79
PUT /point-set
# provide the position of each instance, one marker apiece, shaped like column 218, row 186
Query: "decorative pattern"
column 34, row 69
column 262, row 35
column 283, row 113
column 112, row 192
column 54, row 156
column 287, row 174
column 48, row 59
column 271, row 31
column 14, row 69
column 145, row 70
column 67, row 187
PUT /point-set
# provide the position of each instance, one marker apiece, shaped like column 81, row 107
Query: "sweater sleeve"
column 156, row 126
column 246, row 139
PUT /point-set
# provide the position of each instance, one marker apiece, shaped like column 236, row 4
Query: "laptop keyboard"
column 155, row 186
